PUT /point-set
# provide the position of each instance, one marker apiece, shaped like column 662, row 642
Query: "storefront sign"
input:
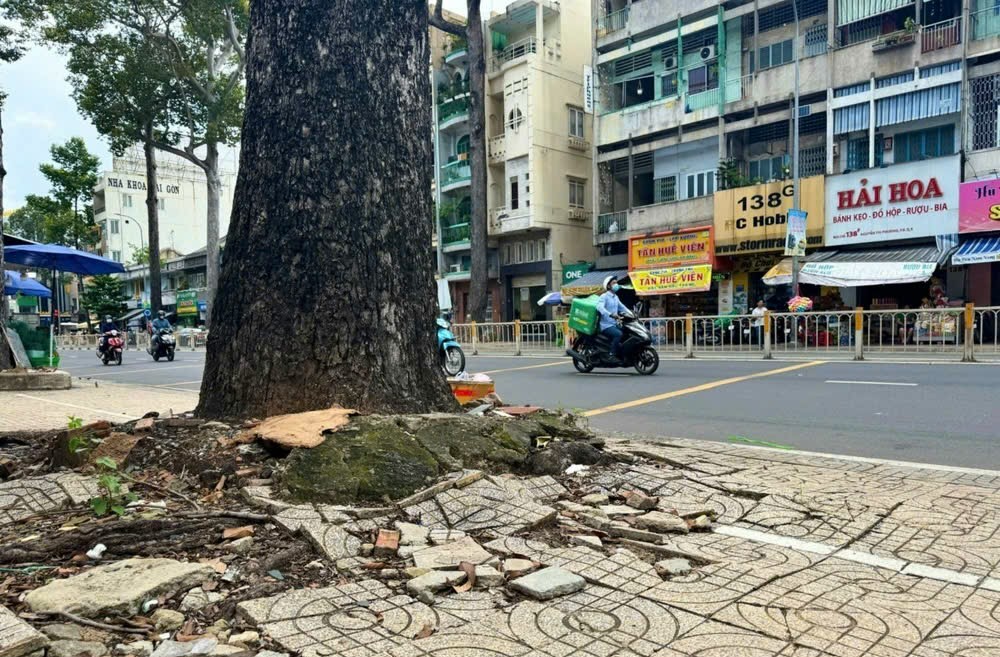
column 673, row 280
column 691, row 247
column 139, row 185
column 754, row 219
column 979, row 206
column 588, row 89
column 900, row 202
column 795, row 239
column 187, row 302
column 853, row 274
column 573, row 273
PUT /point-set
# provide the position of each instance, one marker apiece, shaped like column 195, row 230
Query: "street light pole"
column 142, row 245
column 795, row 143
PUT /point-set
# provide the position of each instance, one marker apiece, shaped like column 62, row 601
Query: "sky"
column 40, row 112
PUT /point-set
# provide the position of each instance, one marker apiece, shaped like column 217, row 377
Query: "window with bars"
column 924, row 144
column 812, row 161
column 665, row 189
column 984, row 94
column 857, row 154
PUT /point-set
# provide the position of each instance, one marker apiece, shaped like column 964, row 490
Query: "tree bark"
column 152, row 219
column 478, row 229
column 214, row 187
column 327, row 291
column 6, row 356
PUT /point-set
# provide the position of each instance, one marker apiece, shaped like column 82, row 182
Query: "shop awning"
column 872, row 266
column 980, row 249
column 780, row 274
column 591, row 283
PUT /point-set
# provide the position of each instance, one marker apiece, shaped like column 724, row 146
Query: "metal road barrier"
column 137, row 341
column 966, row 334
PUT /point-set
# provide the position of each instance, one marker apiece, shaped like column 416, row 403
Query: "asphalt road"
column 932, row 413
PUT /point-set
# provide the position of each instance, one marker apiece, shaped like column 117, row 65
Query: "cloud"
column 34, row 120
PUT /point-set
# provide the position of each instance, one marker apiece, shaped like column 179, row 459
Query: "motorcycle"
column 162, row 345
column 112, row 349
column 590, row 351
column 451, row 354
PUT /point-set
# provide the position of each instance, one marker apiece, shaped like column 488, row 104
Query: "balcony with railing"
column 612, row 22
column 497, row 149
column 938, row 36
column 985, row 23
column 453, row 112
column 455, row 235
column 512, row 53
column 504, row 221
column 610, row 223
column 455, row 175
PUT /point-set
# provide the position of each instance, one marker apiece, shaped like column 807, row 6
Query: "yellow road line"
column 527, row 367
column 699, row 388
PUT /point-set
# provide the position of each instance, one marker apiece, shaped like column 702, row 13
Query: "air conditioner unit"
column 455, row 269
column 670, row 62
column 707, row 52
column 577, row 213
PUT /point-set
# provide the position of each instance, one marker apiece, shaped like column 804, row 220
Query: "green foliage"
column 73, row 174
column 32, row 338
column 103, row 296
column 731, row 176
column 112, row 498
column 44, row 219
column 78, row 442
column 74, row 422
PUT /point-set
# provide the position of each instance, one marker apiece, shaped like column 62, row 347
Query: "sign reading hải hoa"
column 753, row 219
column 687, row 247
column 672, row 280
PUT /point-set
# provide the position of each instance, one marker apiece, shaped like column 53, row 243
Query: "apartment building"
column 539, row 146
column 694, row 125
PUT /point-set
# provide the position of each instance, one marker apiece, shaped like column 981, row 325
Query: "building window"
column 703, row 78
column 126, row 200
column 116, row 256
column 515, row 119
column 162, row 204
column 114, row 226
column 576, row 193
column 513, row 193
column 532, row 252
column 668, row 85
column 576, row 122
column 701, row 184
column 768, row 169
column 857, row 154
column 518, row 253
column 776, row 54
column 665, row 189
column 924, row 144
column 508, row 254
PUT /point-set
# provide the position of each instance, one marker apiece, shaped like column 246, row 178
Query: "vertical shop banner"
column 795, row 238
column 672, row 280
column 187, row 302
column 588, row 89
column 754, row 219
column 979, row 206
column 919, row 199
column 688, row 247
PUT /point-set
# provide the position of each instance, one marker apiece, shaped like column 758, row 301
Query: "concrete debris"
column 167, row 620
column 619, row 510
column 658, row 521
column 450, row 555
column 63, row 632
column 595, row 499
column 672, row 567
column 136, row 649
column 488, row 577
column 548, row 583
column 244, row 639
column 518, row 567
column 240, row 545
column 639, row 500
column 442, row 536
column 701, row 522
column 17, row 638
column 77, row 649
column 411, row 534
column 197, row 599
column 178, row 649
column 586, row 540
column 424, row 587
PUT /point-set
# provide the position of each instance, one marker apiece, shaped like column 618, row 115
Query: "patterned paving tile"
column 647, row 478
column 710, row 639
column 973, row 630
column 17, row 637
column 300, row 603
column 687, row 496
column 486, row 506
column 795, row 518
column 23, row 498
column 332, row 540
column 534, row 489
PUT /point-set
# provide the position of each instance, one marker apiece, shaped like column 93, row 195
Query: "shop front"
column 672, row 272
column 524, row 285
column 750, row 238
column 979, row 229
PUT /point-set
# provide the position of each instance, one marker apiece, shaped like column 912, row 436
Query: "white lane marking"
column 82, row 408
column 872, row 383
column 179, row 383
column 151, row 369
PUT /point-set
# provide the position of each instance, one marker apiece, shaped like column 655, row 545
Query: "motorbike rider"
column 161, row 322
column 609, row 307
column 107, row 326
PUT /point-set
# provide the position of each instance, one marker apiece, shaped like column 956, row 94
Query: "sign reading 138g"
column 752, row 219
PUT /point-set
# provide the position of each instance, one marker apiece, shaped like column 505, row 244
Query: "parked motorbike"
column 591, row 351
column 162, row 345
column 111, row 351
column 451, row 354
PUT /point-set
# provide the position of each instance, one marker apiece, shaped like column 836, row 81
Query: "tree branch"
column 173, row 150
column 234, row 36
column 438, row 20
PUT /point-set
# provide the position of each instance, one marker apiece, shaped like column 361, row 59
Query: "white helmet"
column 607, row 281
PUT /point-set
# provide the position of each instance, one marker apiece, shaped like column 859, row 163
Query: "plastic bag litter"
column 576, row 468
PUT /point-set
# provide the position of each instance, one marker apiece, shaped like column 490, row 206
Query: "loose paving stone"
column 488, row 577
column 332, row 540
column 534, row 489
column 76, row 648
column 518, row 567
column 197, row 599
column 248, row 638
column 548, row 583
column 63, row 631
column 179, row 649
column 595, row 499
column 613, row 510
column 411, row 534
column 662, row 522
column 672, row 567
column 118, row 588
column 295, row 517
column 624, row 530
column 585, row 540
column 442, row 536
column 298, row 603
column 639, row 500
column 450, row 555
column 485, row 506
column 167, row 619
column 647, row 478
column 437, row 580
column 23, row 498
column 17, row 638
column 135, row 648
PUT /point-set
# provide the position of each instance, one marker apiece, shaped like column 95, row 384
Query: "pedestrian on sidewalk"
column 758, row 324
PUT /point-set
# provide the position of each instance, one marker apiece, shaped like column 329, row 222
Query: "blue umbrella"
column 13, row 284
column 61, row 258
column 551, row 299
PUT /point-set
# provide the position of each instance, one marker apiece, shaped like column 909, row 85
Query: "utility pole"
column 795, row 143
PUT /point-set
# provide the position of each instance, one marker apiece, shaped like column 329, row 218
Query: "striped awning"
column 979, row 249
column 896, row 254
column 873, row 266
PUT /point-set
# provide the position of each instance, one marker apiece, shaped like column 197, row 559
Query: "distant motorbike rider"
column 107, row 326
column 609, row 308
column 161, row 322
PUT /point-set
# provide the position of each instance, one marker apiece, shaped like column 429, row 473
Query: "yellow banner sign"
column 754, row 219
column 670, row 250
column 673, row 280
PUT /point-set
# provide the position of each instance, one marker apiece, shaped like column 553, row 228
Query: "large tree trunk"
column 214, row 185
column 152, row 220
column 327, row 290
column 6, row 357
column 479, row 234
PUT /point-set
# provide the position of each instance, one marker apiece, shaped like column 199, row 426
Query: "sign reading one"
column 690, row 247
column 919, row 199
column 674, row 280
column 979, row 206
column 754, row 219
column 573, row 273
